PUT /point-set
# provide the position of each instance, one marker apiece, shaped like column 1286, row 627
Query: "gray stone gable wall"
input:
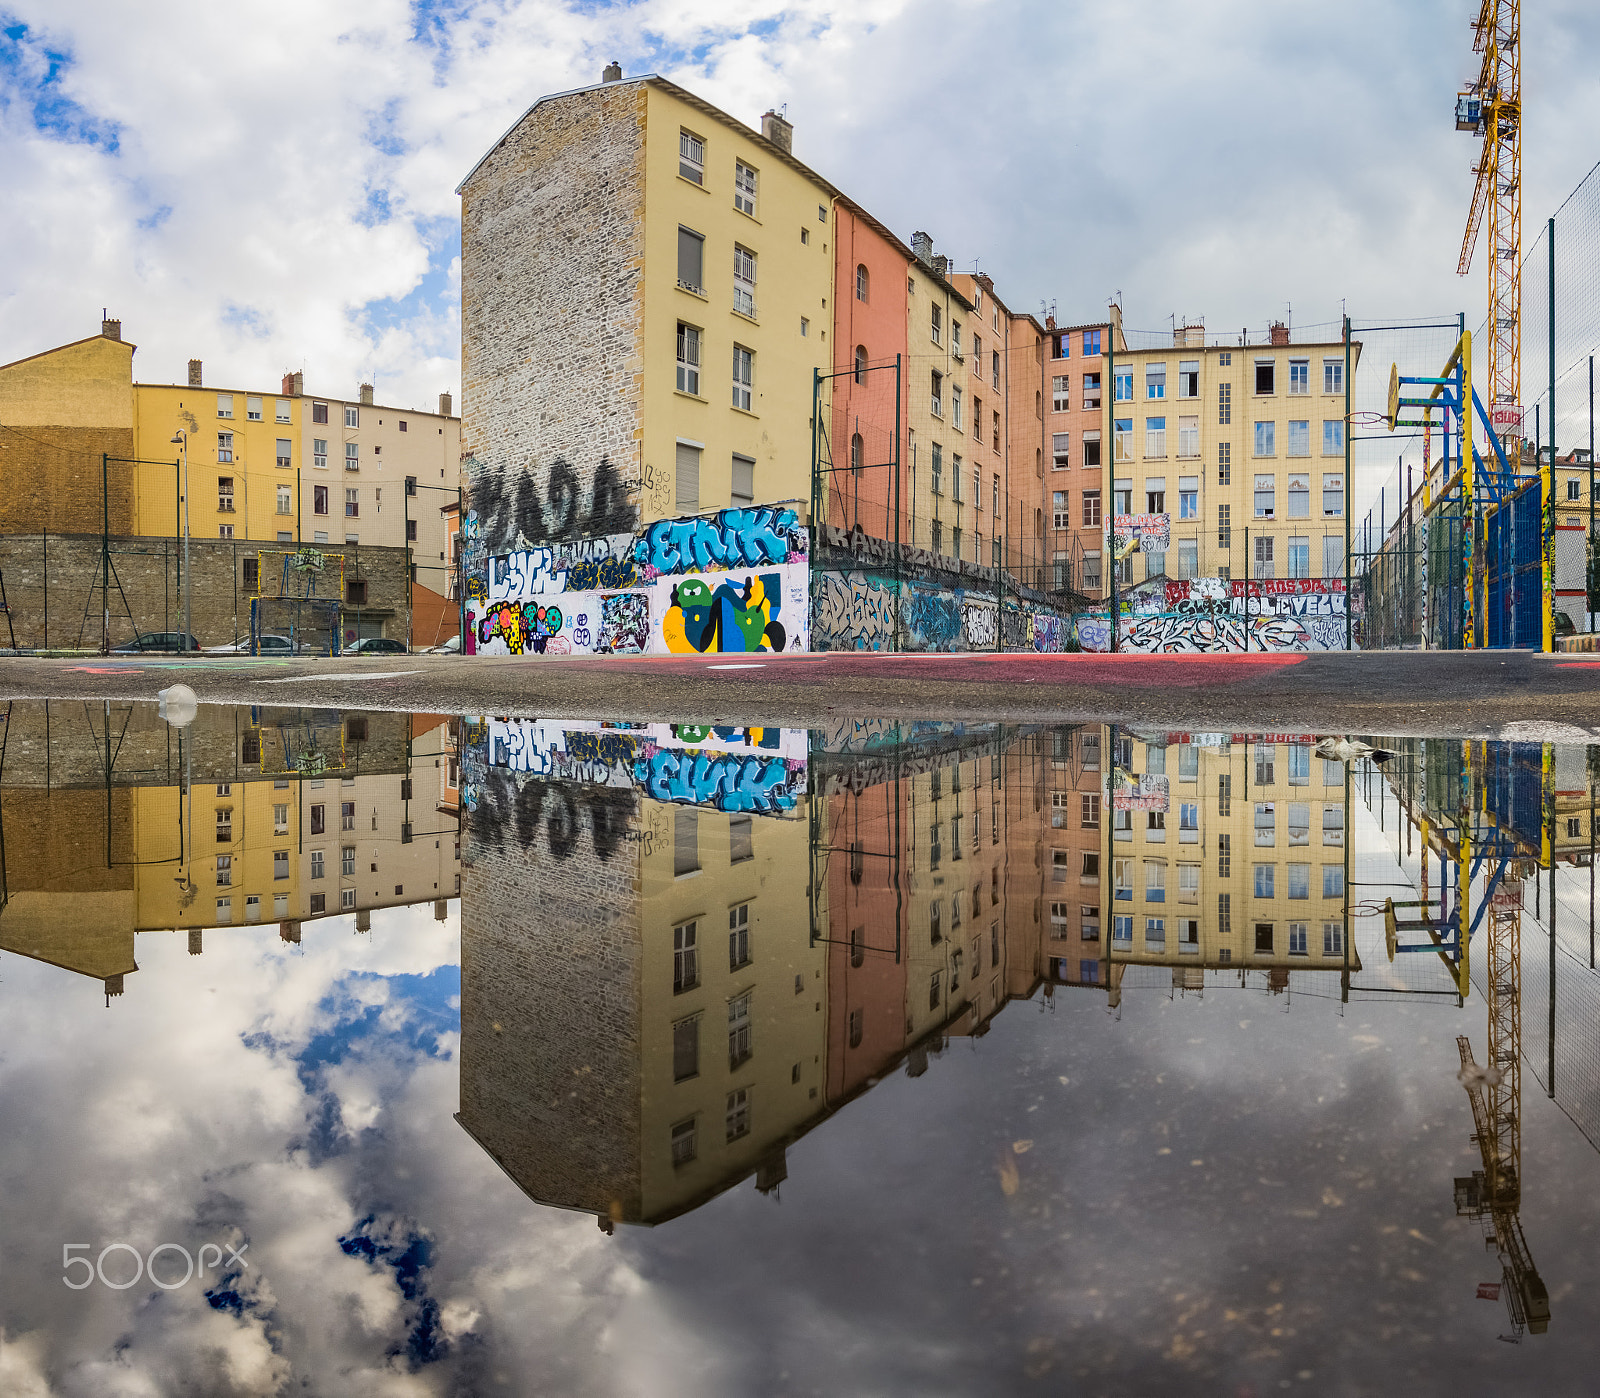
column 552, row 307
column 550, row 990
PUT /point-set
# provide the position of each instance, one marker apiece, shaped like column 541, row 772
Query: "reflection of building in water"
column 642, row 1006
column 1195, row 852
column 289, row 815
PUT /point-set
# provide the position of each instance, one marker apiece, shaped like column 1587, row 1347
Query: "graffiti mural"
column 1206, row 615
column 1187, row 634
column 978, row 624
column 853, row 611
column 1049, row 633
column 731, row 612
column 760, row 785
column 735, row 581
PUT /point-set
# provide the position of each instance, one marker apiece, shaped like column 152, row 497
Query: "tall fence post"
column 1349, row 592
column 1547, row 480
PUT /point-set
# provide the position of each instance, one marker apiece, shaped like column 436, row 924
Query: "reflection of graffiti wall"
column 734, row 581
column 1204, row 615
column 730, row 768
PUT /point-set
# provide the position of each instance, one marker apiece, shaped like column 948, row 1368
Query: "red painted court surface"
column 1146, row 671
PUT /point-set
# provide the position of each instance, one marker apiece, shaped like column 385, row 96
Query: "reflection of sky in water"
column 1231, row 1193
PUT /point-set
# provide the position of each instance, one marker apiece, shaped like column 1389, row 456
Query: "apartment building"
column 1241, row 447
column 1077, row 373
column 243, row 457
column 685, row 382
column 381, row 475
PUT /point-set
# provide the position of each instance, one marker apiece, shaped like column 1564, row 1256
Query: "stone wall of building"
column 552, row 257
column 550, row 989
column 53, row 586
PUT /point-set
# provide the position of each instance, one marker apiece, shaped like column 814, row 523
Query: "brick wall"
column 550, row 991
column 552, row 264
column 52, row 587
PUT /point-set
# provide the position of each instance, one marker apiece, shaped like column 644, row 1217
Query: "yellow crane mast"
column 1492, row 108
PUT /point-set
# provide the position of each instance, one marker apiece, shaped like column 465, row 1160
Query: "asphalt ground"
column 1508, row 694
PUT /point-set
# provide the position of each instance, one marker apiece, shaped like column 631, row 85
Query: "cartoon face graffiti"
column 518, row 626
column 735, row 617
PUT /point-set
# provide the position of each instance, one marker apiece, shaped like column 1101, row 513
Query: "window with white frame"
column 688, row 380
column 281, row 410
column 1061, row 392
column 1122, row 384
column 1299, row 556
column 1266, row 377
column 1299, row 376
column 1299, row 439
column 1155, row 381
column 352, row 415
column 1333, row 375
column 224, row 405
column 285, row 500
column 1333, row 939
column 744, row 188
column 1155, row 436
column 1266, row 497
column 1061, row 514
column 319, row 453
column 736, row 1119
column 252, row 408
column 691, row 157
column 224, row 446
column 1189, row 436
column 1333, row 437
column 744, row 281
column 352, row 456
column 936, row 325
column 1299, row 495
column 691, row 261
column 285, row 454
column 1188, row 497
column 955, row 407
column 1266, row 439
column 1188, row 378
column 1060, row 456
column 1264, row 566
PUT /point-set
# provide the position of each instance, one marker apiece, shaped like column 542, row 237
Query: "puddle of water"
column 342, row 1050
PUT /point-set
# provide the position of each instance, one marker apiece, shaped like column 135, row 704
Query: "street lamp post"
column 181, row 437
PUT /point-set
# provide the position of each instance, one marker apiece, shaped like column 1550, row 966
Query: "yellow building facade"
column 737, row 279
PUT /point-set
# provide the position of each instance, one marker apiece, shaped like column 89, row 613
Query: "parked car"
column 1564, row 625
column 270, row 645
column 170, row 641
column 376, row 645
column 450, row 647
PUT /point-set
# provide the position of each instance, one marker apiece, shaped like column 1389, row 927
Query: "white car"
column 450, row 647
column 270, row 645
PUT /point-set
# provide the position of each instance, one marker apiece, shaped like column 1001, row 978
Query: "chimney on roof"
column 612, row 73
column 194, row 373
column 293, row 385
column 941, row 264
column 366, row 395
column 922, row 245
column 445, row 404
column 1190, row 334
column 1279, row 333
column 778, row 130
column 111, row 329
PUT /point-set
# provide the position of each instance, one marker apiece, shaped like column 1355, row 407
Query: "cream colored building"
column 1227, row 439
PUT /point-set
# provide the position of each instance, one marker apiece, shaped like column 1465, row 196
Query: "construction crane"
column 1491, row 108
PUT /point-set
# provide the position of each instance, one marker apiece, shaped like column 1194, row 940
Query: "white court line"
column 746, row 665
column 358, row 675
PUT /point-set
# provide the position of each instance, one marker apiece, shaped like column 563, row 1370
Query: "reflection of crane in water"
column 1488, row 802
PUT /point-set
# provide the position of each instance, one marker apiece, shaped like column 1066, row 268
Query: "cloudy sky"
column 269, row 186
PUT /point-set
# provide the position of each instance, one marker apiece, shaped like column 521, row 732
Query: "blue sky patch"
column 30, row 75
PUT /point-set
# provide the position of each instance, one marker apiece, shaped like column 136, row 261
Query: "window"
column 347, row 860
column 1265, row 878
column 1061, row 347
column 742, row 491
column 347, row 815
column 1155, row 381
column 285, row 453
column 1122, row 931
column 1264, row 764
column 1333, row 376
column 805, row 327
column 224, row 446
column 933, row 991
column 1224, row 856
column 352, row 416
column 743, row 371
column 1155, row 436
column 1061, row 393
column 1224, row 526
column 318, row 867
column 1333, row 437
column 319, row 453
column 1297, row 939
column 744, row 188
column 1224, row 404
column 1061, row 514
column 686, row 1049
column 955, row 407
column 994, row 496
column 1299, row 376
column 319, row 499
column 1299, row 555
column 1263, row 552
column 1333, row 939
column 352, row 503
column 861, row 364
column 994, row 361
column 685, row 958
column 1266, row 439
column 1155, row 934
column 936, row 389
column 1188, row 436
column 1122, row 384
column 1122, row 439
column 1266, row 823
column 1155, row 878
column 1091, row 392
column 691, row 260
column 1224, row 463
column 1332, row 556
column 1299, row 880
column 685, row 841
column 1091, row 342
column 738, row 1031
column 225, row 494
column 955, row 482
column 352, row 456
column 355, row 589
column 1299, row 439
column 1188, row 497
column 224, row 405
column 1299, row 495
column 955, row 338
column 252, row 576
column 744, row 281
column 1333, row 880
column 1188, row 558
column 1333, row 825
column 805, row 236
column 224, row 868
column 347, row 898
column 688, row 359
column 1091, row 509
column 1572, row 490
column 683, row 1142
column 936, row 325
column 280, row 864
column 688, row 477
column 738, row 937
column 319, row 412
column 1155, row 826
column 285, row 500
column 1266, row 497
column 691, row 157
column 1265, row 370
column 1155, row 495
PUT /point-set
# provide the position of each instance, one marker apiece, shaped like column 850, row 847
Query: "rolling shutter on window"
column 688, row 477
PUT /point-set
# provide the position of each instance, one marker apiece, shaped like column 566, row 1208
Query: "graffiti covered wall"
column 736, row 581
column 856, row 610
column 1218, row 615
